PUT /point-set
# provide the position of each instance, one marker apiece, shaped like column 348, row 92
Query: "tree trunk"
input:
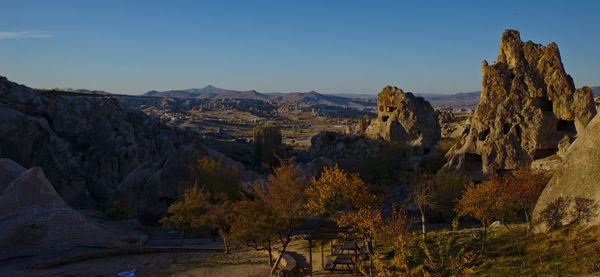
column 274, row 267
column 270, row 254
column 226, row 244
column 529, row 224
column 483, row 239
column 182, row 238
column 423, row 224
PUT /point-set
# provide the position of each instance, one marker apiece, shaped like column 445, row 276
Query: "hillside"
column 459, row 100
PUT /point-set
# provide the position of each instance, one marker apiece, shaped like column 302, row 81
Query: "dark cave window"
column 506, row 128
column 391, row 109
column 483, row 135
column 381, row 108
column 543, row 103
column 473, row 162
column 566, row 126
column 543, row 153
column 384, row 118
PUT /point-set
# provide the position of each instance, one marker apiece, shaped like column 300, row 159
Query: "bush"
column 120, row 212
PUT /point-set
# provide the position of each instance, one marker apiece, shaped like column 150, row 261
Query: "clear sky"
column 328, row 46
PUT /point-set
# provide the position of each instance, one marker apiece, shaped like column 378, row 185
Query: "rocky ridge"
column 89, row 144
column 573, row 193
column 529, row 110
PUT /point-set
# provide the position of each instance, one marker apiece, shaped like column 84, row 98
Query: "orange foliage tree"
column 485, row 202
column 525, row 186
column 254, row 225
column 184, row 213
column 337, row 190
column 284, row 197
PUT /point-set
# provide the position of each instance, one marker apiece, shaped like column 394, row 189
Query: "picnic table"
column 345, row 255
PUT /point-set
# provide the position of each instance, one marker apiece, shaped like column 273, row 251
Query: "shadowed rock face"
column 528, row 106
column 573, row 193
column 31, row 212
column 404, row 118
column 88, row 144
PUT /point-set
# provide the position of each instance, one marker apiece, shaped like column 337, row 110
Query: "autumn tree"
column 485, row 202
column 267, row 144
column 216, row 176
column 184, row 213
column 254, row 225
column 336, row 190
column 449, row 188
column 284, row 195
column 526, row 185
column 394, row 231
column 219, row 216
column 423, row 196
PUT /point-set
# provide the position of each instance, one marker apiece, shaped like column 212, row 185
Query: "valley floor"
column 509, row 252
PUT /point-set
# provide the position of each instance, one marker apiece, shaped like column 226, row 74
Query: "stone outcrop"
column 529, row 109
column 150, row 188
column 404, row 118
column 89, row 144
column 573, row 193
column 349, row 151
column 32, row 212
column 401, row 118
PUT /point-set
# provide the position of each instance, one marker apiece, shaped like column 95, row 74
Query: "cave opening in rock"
column 544, row 153
column 381, row 108
column 543, row 103
column 384, row 118
column 391, row 109
column 506, row 128
column 518, row 130
column 501, row 172
column 483, row 135
column 566, row 126
column 473, row 162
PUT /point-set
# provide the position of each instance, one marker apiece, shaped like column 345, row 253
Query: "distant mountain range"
column 311, row 97
column 459, row 100
column 595, row 91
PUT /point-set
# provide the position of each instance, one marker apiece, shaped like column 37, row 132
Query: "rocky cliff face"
column 31, row 212
column 528, row 106
column 404, row 118
column 573, row 193
column 401, row 117
column 88, row 144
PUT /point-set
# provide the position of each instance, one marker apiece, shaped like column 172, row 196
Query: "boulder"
column 573, row 193
column 529, row 109
column 32, row 212
column 402, row 117
column 9, row 170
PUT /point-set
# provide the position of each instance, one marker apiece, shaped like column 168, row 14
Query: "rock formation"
column 529, row 105
column 349, row 151
column 573, row 193
column 404, row 118
column 88, row 144
column 31, row 212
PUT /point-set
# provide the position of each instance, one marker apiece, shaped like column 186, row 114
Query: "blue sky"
column 328, row 46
